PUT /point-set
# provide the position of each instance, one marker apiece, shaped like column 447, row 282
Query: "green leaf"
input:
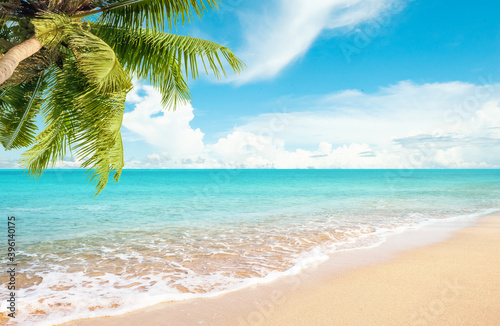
column 51, row 144
column 88, row 68
column 98, row 62
column 94, row 56
column 98, row 139
column 164, row 58
column 22, row 125
column 52, row 29
column 83, row 120
column 19, row 106
column 154, row 14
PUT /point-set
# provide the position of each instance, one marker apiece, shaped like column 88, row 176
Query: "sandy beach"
column 428, row 277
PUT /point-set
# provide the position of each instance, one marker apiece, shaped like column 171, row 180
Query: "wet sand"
column 431, row 276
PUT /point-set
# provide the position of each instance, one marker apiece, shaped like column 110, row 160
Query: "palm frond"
column 52, row 29
column 83, row 120
column 23, row 122
column 51, row 144
column 163, row 58
column 4, row 30
column 10, row 8
column 98, row 62
column 19, row 106
column 95, row 59
column 98, row 140
column 154, row 14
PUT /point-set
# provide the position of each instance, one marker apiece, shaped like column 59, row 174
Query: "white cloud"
column 453, row 125
column 249, row 150
column 68, row 163
column 6, row 163
column 440, row 125
column 167, row 130
column 275, row 39
column 393, row 112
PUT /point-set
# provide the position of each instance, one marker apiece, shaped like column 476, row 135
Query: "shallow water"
column 161, row 235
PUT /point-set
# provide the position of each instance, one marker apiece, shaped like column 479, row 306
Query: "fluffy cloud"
column 450, row 125
column 167, row 130
column 394, row 112
column 407, row 125
column 275, row 39
column 248, row 150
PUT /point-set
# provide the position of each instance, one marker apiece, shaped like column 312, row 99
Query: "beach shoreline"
column 413, row 278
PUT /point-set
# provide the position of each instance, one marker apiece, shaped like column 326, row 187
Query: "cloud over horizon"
column 407, row 125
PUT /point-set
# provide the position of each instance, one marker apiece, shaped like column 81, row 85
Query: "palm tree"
column 71, row 61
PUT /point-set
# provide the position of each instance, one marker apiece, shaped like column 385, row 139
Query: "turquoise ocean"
column 167, row 235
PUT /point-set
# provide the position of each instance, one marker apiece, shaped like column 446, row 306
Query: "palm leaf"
column 19, row 106
column 52, row 29
column 23, row 122
column 161, row 57
column 98, row 62
column 51, row 144
column 98, row 141
column 95, row 59
column 83, row 120
column 154, row 14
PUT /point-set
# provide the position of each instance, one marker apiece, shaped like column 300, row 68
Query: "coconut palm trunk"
column 11, row 59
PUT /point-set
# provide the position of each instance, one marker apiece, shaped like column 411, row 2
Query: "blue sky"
column 332, row 84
